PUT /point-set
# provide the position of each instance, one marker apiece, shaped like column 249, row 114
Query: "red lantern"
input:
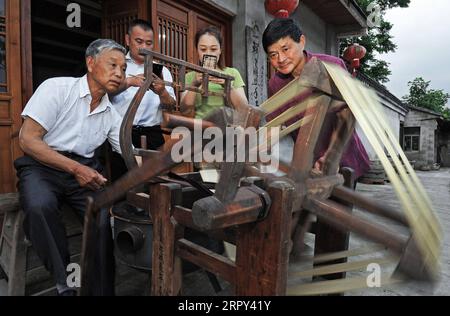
column 353, row 54
column 281, row 8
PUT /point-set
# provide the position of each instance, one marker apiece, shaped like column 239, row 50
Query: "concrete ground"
column 436, row 183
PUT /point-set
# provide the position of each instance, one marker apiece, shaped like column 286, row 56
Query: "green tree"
column 420, row 95
column 446, row 114
column 377, row 41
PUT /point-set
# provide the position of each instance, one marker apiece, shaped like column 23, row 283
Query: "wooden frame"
column 11, row 101
column 27, row 67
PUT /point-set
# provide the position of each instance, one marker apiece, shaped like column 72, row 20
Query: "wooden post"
column 13, row 249
column 167, row 272
column 330, row 239
column 8, row 202
column 17, row 268
column 262, row 255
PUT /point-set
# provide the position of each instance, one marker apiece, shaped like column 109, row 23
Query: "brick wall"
column 428, row 126
column 444, row 144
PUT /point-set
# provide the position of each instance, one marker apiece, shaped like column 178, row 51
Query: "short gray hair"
column 102, row 45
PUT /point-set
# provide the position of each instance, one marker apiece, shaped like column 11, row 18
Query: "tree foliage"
column 420, row 95
column 377, row 41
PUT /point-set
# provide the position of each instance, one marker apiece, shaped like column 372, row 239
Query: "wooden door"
column 10, row 91
column 118, row 14
column 176, row 22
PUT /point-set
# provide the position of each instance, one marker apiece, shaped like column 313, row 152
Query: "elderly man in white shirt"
column 65, row 121
column 149, row 114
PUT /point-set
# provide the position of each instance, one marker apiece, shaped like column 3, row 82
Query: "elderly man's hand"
column 89, row 178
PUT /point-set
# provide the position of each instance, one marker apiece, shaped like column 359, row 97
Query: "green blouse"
column 213, row 102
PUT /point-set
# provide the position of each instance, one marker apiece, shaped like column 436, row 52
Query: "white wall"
column 314, row 28
column 229, row 5
column 390, row 119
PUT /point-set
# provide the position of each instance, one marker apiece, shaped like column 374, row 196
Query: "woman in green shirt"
column 209, row 42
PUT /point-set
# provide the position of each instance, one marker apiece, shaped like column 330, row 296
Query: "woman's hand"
column 216, row 80
column 198, row 80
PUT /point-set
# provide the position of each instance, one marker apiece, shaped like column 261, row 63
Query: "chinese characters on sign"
column 256, row 70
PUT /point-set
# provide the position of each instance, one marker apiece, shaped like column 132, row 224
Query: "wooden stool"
column 18, row 261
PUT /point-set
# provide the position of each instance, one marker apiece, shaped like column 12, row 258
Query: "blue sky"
column 422, row 34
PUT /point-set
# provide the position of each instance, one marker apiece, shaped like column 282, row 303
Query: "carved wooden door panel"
column 176, row 23
column 118, row 14
column 10, row 91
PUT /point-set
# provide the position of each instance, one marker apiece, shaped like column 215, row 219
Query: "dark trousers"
column 155, row 140
column 43, row 190
column 154, row 136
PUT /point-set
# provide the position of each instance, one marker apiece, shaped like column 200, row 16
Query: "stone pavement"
column 436, row 183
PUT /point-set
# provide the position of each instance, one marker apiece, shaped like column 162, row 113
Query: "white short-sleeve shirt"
column 62, row 107
column 149, row 112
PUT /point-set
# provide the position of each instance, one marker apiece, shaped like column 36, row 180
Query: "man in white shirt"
column 64, row 122
column 149, row 114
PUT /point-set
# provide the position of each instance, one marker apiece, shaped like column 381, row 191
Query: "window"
column 173, row 37
column 411, row 139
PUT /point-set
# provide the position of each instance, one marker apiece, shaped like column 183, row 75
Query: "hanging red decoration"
column 281, row 8
column 353, row 54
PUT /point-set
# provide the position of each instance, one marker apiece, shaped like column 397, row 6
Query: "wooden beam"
column 207, row 259
column 93, row 4
column 6, row 122
column 353, row 8
column 96, row 11
column 27, row 54
column 63, row 27
column 9, row 202
column 54, row 58
column 183, row 216
column 167, row 273
column 58, row 44
column 140, row 200
column 337, row 216
column 262, row 250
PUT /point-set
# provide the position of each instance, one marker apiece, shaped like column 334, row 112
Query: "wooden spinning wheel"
column 266, row 215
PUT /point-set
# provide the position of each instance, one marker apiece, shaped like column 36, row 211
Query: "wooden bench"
column 19, row 263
